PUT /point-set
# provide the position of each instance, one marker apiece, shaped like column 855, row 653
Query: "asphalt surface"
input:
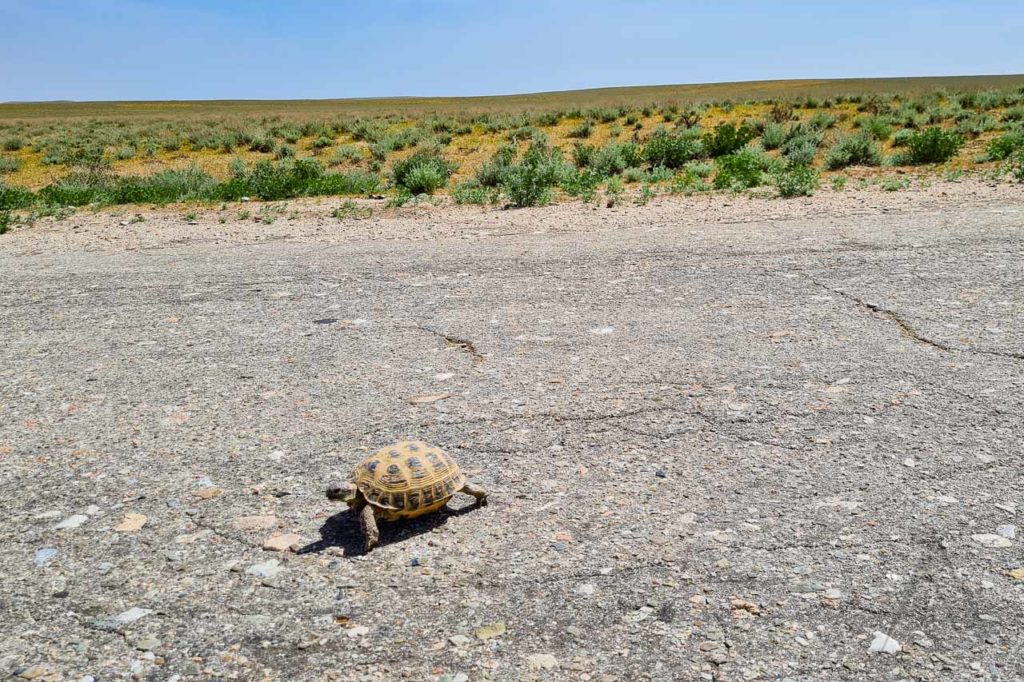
column 720, row 450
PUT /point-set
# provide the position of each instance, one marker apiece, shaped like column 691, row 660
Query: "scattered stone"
column 460, row 677
column 883, row 643
column 46, row 516
column 130, row 616
column 744, row 605
column 266, row 569
column 147, row 644
column 586, row 589
column 357, row 631
column 602, row 331
column 208, row 493
column 281, row 542
column 910, row 462
column 1017, row 574
column 92, row 510
column 542, row 662
column 73, row 521
column 991, row 540
column 189, row 538
column 459, row 640
column 44, row 555
column 255, row 522
column 131, row 523
column 922, row 640
column 36, row 672
column 490, row 631
column 1007, row 530
column 661, row 473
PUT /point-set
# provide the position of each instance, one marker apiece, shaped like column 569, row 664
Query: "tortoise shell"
column 408, row 479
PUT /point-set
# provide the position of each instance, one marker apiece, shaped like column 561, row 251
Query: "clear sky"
column 269, row 49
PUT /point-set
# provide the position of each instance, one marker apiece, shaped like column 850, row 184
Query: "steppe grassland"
column 520, row 150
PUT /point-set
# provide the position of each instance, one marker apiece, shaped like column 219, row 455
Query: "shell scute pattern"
column 408, row 478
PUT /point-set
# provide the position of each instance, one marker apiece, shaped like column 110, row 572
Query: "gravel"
column 693, row 417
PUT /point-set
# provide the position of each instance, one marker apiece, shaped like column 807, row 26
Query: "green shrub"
column 472, row 193
column 1013, row 114
column 933, row 145
column 286, row 180
column 346, row 153
column 801, row 150
column 1017, row 165
column 975, row 125
column 81, row 188
column 583, row 130
column 853, row 150
column 614, row 158
column 877, row 127
column 901, row 137
column 822, row 120
column 796, row 181
column 9, row 164
column 742, row 169
column 259, row 143
column 284, row 151
column 321, row 143
column 614, row 191
column 528, row 182
column 699, row 169
column 583, row 154
column 671, row 150
column 490, row 173
column 424, row 172
column 727, row 138
column 581, row 183
column 12, row 144
column 15, row 197
column 773, row 136
column 1004, row 146
column 6, row 220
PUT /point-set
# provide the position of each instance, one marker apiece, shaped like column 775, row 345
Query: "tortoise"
column 401, row 481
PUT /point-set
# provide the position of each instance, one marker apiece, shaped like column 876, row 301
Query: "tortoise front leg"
column 368, row 524
column 479, row 493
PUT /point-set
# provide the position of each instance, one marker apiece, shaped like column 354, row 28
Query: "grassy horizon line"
column 692, row 93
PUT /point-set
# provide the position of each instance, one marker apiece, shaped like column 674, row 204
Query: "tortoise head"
column 342, row 491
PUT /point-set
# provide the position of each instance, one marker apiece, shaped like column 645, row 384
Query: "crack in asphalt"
column 908, row 329
column 464, row 345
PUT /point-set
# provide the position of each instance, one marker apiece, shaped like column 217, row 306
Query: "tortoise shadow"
column 342, row 530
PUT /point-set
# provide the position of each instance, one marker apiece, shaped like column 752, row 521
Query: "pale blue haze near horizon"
column 258, row 49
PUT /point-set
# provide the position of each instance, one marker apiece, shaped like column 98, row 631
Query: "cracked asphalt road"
column 716, row 451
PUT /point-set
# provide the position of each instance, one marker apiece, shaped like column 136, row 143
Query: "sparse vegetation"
column 425, row 172
column 932, row 145
column 75, row 154
column 858, row 149
column 797, row 181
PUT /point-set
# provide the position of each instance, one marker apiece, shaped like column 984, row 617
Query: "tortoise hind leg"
column 368, row 524
column 479, row 493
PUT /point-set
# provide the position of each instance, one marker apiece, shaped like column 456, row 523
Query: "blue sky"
column 262, row 49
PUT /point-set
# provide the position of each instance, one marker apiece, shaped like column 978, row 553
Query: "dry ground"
column 727, row 438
